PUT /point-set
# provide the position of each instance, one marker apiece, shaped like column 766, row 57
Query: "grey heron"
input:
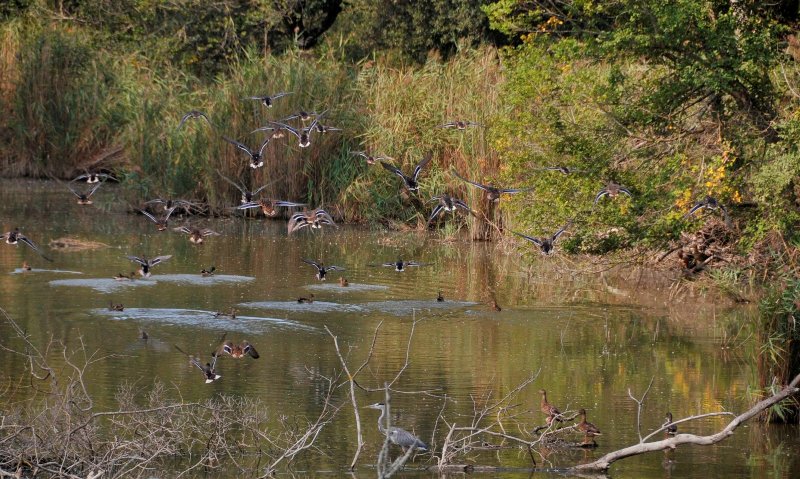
column 397, row 435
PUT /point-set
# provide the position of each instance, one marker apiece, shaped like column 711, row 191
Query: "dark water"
column 588, row 334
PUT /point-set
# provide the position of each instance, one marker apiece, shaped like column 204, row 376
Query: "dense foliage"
column 673, row 100
column 677, row 100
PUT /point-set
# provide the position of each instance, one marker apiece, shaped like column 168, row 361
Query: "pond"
column 587, row 333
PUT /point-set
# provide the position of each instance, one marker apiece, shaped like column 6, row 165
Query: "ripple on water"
column 104, row 285
column 38, row 270
column 108, row 285
column 337, row 288
column 197, row 279
column 405, row 307
column 202, row 319
column 315, row 307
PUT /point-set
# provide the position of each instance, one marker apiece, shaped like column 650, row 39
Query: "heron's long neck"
column 381, row 427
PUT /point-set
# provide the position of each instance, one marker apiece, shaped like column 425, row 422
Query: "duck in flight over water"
column 545, row 243
column 15, row 237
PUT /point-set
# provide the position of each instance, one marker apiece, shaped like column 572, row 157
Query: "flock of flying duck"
column 310, row 124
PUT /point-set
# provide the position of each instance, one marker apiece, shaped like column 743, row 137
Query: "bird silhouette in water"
column 306, row 300
column 208, row 272
column 396, row 435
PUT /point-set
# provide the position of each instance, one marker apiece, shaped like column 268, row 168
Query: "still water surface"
column 589, row 335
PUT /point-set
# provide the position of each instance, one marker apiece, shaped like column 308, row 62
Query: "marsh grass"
column 74, row 107
column 403, row 108
column 61, row 107
column 778, row 358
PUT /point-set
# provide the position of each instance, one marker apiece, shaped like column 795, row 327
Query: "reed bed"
column 59, row 99
column 74, row 108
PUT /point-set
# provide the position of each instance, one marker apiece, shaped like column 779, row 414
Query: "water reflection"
column 587, row 337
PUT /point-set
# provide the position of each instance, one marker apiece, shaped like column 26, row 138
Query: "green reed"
column 778, row 358
column 60, row 103
column 71, row 104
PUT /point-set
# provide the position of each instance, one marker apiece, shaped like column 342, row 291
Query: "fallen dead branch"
column 602, row 464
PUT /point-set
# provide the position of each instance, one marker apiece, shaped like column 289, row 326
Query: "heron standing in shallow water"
column 397, row 435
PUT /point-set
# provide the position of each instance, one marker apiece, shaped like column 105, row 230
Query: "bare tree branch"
column 603, row 463
column 639, row 405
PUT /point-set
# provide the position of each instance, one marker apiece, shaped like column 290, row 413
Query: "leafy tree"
column 716, row 53
column 206, row 35
column 415, row 27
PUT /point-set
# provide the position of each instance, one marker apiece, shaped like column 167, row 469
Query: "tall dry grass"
column 59, row 97
column 402, row 111
column 71, row 104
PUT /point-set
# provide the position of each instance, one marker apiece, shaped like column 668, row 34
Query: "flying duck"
column 410, row 182
column 545, row 243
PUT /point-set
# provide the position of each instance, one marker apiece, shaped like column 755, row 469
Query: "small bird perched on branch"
column 552, row 412
column 671, row 429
